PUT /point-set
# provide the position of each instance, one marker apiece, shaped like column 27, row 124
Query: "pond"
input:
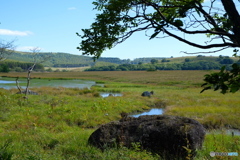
column 108, row 94
column 8, row 83
column 153, row 111
column 233, row 132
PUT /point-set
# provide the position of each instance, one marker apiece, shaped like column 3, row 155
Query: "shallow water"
column 107, row 94
column 153, row 111
column 8, row 83
column 233, row 132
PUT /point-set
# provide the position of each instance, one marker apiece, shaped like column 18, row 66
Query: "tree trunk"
column 234, row 17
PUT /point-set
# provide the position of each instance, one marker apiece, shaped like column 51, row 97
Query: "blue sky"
column 52, row 25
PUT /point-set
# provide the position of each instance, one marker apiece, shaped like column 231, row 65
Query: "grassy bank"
column 57, row 123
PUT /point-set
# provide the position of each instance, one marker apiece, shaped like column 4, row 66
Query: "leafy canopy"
column 118, row 20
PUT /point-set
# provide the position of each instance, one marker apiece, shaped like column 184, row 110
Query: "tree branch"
column 217, row 32
column 200, row 46
column 206, row 52
column 233, row 14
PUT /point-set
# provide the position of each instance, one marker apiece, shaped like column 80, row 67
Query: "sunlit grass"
column 56, row 124
column 221, row 143
column 142, row 77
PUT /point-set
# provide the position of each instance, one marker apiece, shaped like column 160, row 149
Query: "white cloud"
column 14, row 33
column 72, row 8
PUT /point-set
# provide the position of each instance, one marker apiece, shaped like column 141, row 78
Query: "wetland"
column 57, row 123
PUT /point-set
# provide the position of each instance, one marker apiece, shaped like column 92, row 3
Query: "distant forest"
column 21, row 61
column 70, row 60
column 197, row 63
column 7, row 66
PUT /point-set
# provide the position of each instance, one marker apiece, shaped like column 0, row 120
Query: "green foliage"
column 193, row 63
column 117, row 20
column 65, row 60
column 102, row 32
column 226, row 61
column 187, row 60
column 153, row 61
column 224, row 80
column 54, row 60
column 165, row 60
column 8, row 65
column 4, row 68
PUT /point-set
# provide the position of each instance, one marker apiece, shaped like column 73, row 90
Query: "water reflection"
column 233, row 132
column 107, row 94
column 153, row 111
column 8, row 83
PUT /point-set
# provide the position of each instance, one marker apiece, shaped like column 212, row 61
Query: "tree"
column 187, row 60
column 224, row 80
column 165, row 60
column 5, row 68
column 35, row 51
column 119, row 19
column 153, row 61
column 226, row 61
column 6, row 49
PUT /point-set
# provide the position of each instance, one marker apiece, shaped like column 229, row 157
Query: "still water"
column 8, row 83
column 108, row 94
column 153, row 111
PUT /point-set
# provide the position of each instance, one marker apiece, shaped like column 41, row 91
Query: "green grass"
column 219, row 143
column 57, row 123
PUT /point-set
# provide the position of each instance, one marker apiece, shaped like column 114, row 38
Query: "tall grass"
column 219, row 142
column 143, row 77
column 56, row 124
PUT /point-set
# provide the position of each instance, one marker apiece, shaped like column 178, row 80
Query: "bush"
column 18, row 69
column 4, row 68
column 5, row 154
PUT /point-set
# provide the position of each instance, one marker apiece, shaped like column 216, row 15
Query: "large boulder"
column 171, row 137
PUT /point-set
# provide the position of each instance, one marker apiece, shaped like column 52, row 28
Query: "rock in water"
column 171, row 137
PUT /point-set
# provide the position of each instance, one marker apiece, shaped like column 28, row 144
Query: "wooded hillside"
column 20, row 61
column 71, row 60
column 183, row 63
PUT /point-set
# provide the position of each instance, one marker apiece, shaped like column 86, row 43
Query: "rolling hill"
column 66, row 60
column 69, row 60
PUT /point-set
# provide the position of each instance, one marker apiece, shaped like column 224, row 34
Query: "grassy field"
column 57, row 123
column 141, row 77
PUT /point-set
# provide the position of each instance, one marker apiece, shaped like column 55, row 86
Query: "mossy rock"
column 171, row 137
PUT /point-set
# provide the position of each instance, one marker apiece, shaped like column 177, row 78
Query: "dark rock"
column 147, row 94
column 171, row 137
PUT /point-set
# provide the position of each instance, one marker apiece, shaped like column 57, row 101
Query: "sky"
column 51, row 25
